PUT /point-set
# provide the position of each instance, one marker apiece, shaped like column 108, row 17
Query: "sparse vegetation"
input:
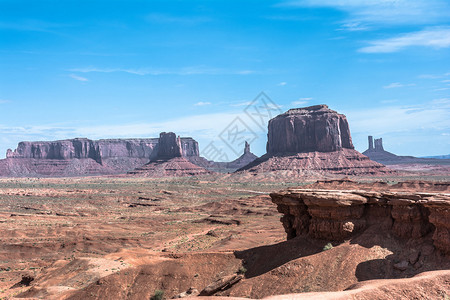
column 242, row 270
column 158, row 295
column 328, row 247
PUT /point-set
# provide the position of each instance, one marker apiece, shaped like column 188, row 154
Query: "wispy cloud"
column 196, row 70
column 441, row 89
column 79, row 78
column 282, row 83
column 244, row 103
column 201, row 103
column 437, row 38
column 397, row 85
column 165, row 18
column 354, row 26
column 430, row 116
column 3, row 101
column 383, row 12
column 301, row 101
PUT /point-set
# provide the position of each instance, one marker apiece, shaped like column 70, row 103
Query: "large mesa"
column 82, row 156
column 308, row 129
column 309, row 142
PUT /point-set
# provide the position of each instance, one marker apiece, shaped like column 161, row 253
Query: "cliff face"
column 81, row 156
column 169, row 146
column 313, row 141
column 169, row 160
column 96, row 149
column 309, row 129
column 338, row 215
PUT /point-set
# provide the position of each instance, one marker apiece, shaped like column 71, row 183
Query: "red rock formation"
column 337, row 215
column 225, row 167
column 382, row 156
column 169, row 160
column 169, row 146
column 78, row 157
column 309, row 129
column 313, row 141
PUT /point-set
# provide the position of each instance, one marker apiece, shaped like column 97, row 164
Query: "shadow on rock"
column 262, row 259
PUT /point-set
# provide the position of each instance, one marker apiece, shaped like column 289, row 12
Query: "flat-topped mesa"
column 169, row 146
column 82, row 156
column 65, row 149
column 308, row 129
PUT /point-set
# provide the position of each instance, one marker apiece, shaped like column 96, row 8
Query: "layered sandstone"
column 309, row 129
column 313, row 141
column 336, row 215
column 169, row 161
column 81, row 156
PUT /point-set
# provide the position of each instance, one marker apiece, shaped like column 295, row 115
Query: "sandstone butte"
column 169, row 160
column 82, row 157
column 311, row 141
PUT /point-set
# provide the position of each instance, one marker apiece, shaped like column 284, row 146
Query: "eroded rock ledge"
column 337, row 215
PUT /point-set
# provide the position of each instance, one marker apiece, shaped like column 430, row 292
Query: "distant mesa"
column 82, row 156
column 311, row 141
column 169, row 161
column 377, row 153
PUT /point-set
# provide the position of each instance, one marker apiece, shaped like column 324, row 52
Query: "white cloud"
column 397, row 85
column 446, row 81
column 441, row 89
column 245, row 103
column 436, row 38
column 195, row 70
column 165, row 18
column 282, row 83
column 383, row 12
column 429, row 76
column 354, row 26
column 301, row 101
column 79, row 78
column 430, row 116
column 201, row 103
column 3, row 101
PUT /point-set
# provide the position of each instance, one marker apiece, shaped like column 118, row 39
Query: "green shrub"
column 159, row 295
column 328, row 247
column 242, row 270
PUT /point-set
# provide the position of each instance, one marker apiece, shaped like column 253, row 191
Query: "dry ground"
column 97, row 238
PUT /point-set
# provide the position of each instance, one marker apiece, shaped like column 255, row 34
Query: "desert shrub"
column 158, row 295
column 328, row 247
column 242, row 270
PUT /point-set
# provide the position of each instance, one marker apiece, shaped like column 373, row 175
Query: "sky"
column 219, row 70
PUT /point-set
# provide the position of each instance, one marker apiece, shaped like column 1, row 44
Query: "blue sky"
column 103, row 69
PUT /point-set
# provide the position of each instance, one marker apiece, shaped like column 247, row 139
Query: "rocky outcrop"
column 382, row 156
column 313, row 141
column 169, row 146
column 169, row 161
column 309, row 129
column 337, row 215
column 225, row 167
column 81, row 156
